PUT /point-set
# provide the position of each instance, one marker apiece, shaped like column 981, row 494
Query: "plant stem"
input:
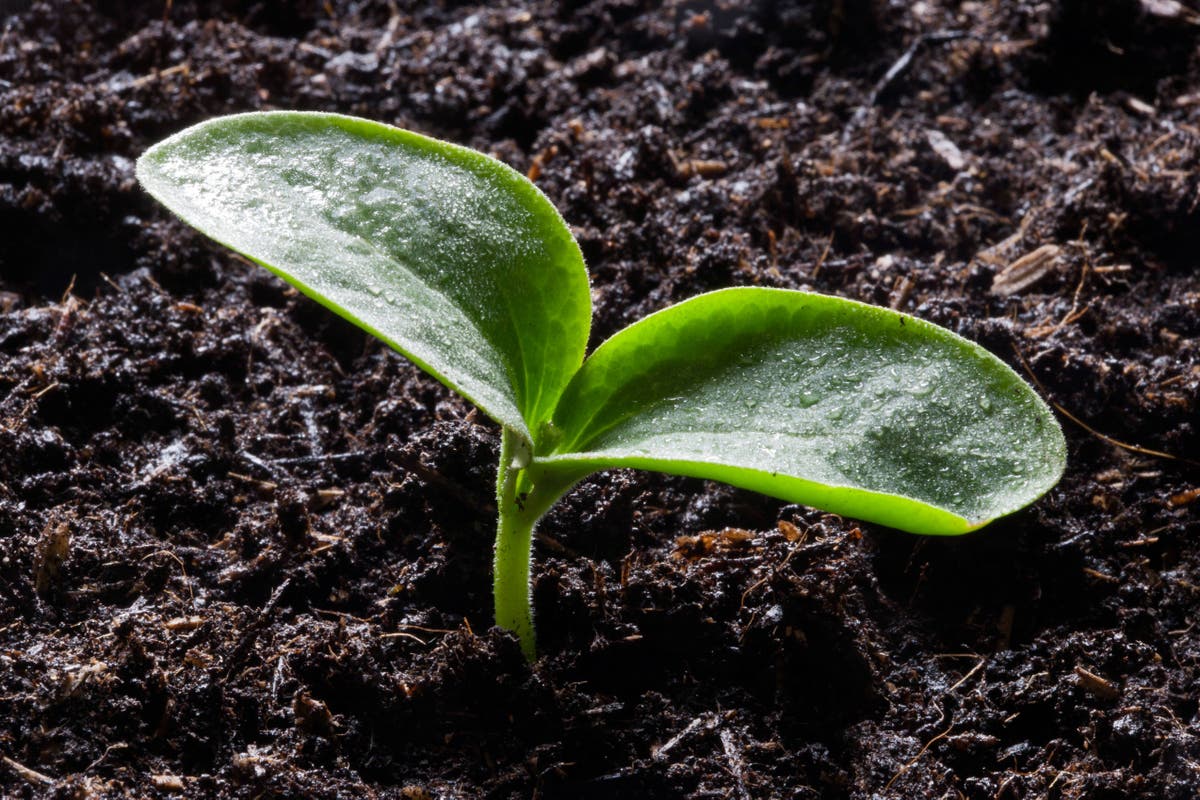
column 523, row 495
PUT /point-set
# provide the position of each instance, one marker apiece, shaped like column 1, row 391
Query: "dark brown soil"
column 245, row 549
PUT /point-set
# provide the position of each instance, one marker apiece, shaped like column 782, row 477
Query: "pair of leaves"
column 461, row 264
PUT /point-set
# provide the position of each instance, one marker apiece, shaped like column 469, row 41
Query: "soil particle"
column 245, row 550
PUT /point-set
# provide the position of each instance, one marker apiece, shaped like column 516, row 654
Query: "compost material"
column 245, row 549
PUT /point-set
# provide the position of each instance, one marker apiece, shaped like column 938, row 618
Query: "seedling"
column 465, row 267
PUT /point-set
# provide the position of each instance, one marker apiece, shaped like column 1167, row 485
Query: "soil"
column 245, row 548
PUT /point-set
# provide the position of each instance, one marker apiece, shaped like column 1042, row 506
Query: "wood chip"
column 167, row 783
column 324, row 497
column 705, row 168
column 789, row 530
column 535, row 168
column 1026, row 270
column 1142, row 542
column 312, row 715
column 183, row 623
column 901, row 291
column 1183, row 498
column 9, row 301
column 702, row 544
column 76, row 676
column 946, row 149
column 1096, row 685
column 1140, row 107
column 774, row 123
column 53, row 547
column 1096, row 574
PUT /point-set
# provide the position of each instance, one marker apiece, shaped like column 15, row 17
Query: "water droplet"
column 807, row 399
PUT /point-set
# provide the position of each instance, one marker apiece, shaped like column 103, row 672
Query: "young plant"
column 465, row 267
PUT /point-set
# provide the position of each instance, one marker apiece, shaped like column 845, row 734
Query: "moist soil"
column 246, row 548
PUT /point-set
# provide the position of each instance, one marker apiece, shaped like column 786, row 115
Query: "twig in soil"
column 968, row 676
column 1146, row 451
column 389, row 32
column 187, row 582
column 917, row 757
column 104, row 277
column 1141, row 542
column 898, row 68
column 19, row 419
column 260, row 463
column 66, row 295
column 415, row 638
column 766, row 578
column 707, row 719
column 1117, row 443
column 424, row 629
column 263, row 486
column 251, row 635
column 1075, row 313
column 736, row 765
column 145, row 80
column 316, row 458
column 104, row 755
column 31, row 775
column 824, row 255
column 996, row 253
column 343, row 615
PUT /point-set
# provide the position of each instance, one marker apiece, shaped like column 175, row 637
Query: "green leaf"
column 447, row 255
column 822, row 401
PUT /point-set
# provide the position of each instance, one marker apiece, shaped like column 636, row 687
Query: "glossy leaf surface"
column 444, row 253
column 822, row 401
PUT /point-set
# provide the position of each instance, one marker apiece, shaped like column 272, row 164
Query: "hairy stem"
column 523, row 494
